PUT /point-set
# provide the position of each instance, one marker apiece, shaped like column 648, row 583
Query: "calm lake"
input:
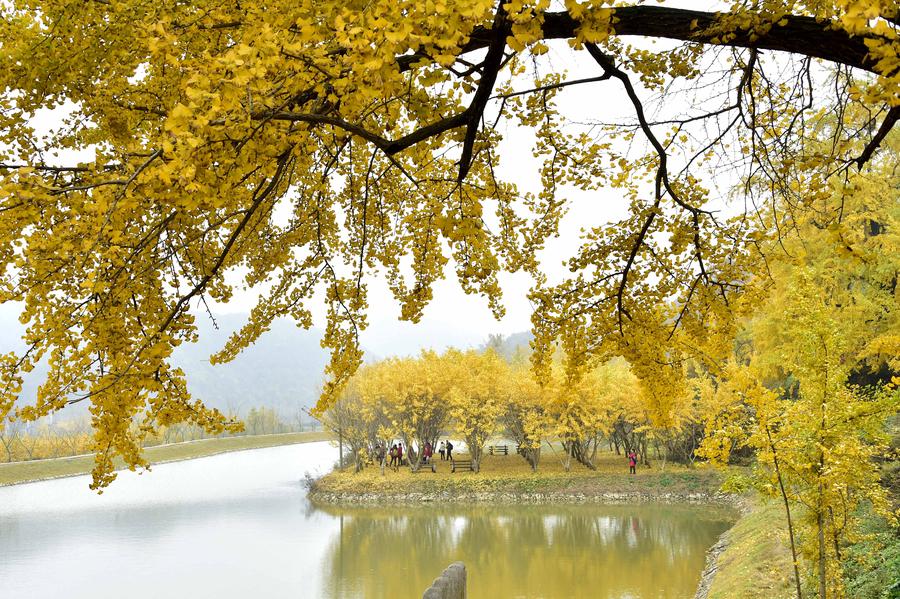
column 238, row 525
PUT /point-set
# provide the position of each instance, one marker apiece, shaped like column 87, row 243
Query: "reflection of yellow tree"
column 529, row 551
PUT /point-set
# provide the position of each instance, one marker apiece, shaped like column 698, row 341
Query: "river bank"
column 509, row 479
column 752, row 559
column 37, row 470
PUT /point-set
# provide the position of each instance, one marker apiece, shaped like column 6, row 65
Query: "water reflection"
column 645, row 551
column 239, row 525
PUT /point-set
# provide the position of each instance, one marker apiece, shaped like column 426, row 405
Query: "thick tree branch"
column 388, row 146
column 491, row 66
column 886, row 125
column 799, row 35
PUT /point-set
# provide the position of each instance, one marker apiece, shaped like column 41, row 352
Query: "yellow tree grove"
column 810, row 391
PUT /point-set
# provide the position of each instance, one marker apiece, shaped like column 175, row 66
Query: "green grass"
column 22, row 472
column 756, row 564
column 872, row 565
column 512, row 474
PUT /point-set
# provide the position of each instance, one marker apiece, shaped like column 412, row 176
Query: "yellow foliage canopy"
column 192, row 124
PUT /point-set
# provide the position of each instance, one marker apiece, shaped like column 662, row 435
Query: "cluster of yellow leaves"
column 804, row 389
column 308, row 145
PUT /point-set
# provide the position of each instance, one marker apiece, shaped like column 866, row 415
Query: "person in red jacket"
column 427, row 451
column 632, row 463
column 399, row 454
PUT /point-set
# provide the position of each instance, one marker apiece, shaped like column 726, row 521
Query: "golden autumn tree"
column 343, row 419
column 478, row 397
column 526, row 418
column 813, row 388
column 412, row 397
column 187, row 128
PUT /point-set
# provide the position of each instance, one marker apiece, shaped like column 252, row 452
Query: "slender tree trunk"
column 643, row 445
column 787, row 511
column 820, row 523
column 820, row 508
column 834, row 534
column 533, row 456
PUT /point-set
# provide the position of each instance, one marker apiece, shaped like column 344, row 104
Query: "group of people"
column 446, row 449
column 446, row 452
column 395, row 454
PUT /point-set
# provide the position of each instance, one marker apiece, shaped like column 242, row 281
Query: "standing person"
column 632, row 462
column 442, row 450
column 449, row 450
column 426, row 453
column 393, row 455
column 399, row 454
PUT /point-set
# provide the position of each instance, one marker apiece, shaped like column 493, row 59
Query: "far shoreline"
column 33, row 471
column 507, row 479
column 501, row 497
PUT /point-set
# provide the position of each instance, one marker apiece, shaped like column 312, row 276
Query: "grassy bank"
column 756, row 563
column 511, row 476
column 22, row 472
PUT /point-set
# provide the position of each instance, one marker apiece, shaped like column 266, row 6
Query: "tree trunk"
column 787, row 511
column 820, row 523
column 643, row 445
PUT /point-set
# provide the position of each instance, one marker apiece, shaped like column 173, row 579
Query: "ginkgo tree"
column 189, row 128
column 813, row 388
column 480, row 394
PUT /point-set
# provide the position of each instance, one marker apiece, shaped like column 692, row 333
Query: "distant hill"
column 282, row 370
column 510, row 345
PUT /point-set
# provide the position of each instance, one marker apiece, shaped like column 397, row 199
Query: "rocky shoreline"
column 714, row 552
column 511, row 497
column 712, row 566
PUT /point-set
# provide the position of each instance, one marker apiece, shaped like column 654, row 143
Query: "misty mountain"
column 282, row 370
column 510, row 345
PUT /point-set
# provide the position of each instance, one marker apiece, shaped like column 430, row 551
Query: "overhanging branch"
column 798, row 35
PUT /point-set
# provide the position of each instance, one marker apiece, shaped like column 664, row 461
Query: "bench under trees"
column 498, row 449
column 462, row 465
